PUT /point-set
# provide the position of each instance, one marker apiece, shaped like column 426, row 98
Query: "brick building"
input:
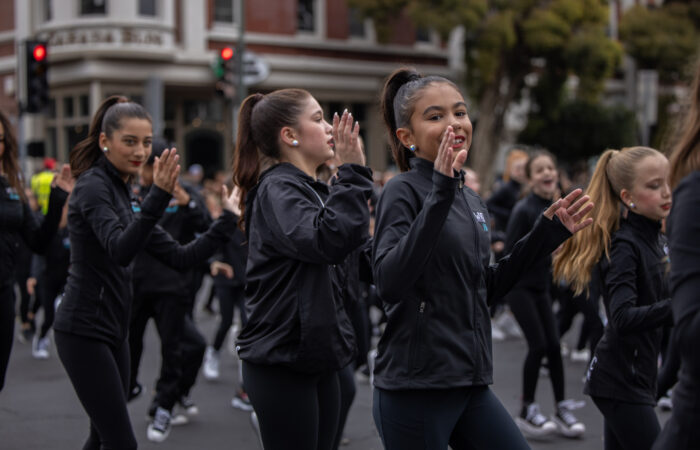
column 160, row 52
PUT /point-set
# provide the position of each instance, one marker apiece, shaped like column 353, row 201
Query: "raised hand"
column 166, row 170
column 348, row 148
column 219, row 267
column 64, row 179
column 230, row 202
column 570, row 210
column 181, row 195
column 445, row 162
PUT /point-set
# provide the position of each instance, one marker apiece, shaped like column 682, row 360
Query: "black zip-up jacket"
column 17, row 223
column 431, row 269
column 234, row 253
column 522, row 219
column 181, row 222
column 501, row 203
column 105, row 237
column 636, row 298
column 683, row 231
column 298, row 229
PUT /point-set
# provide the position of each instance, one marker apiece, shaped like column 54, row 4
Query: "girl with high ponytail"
column 298, row 335
column 106, row 231
column 431, row 268
column 18, row 224
column 629, row 256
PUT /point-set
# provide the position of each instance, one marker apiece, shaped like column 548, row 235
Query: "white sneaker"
column 40, row 347
column 665, row 402
column 533, row 423
column 567, row 424
column 583, row 355
column 159, row 429
column 210, row 368
column 507, row 323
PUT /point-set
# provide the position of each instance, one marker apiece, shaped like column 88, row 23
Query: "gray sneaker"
column 159, row 429
column 533, row 423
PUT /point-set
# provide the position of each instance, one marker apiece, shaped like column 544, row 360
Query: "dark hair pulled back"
column 399, row 96
column 260, row 120
column 107, row 119
column 10, row 158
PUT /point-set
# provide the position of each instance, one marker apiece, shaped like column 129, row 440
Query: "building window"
column 306, row 15
column 88, row 7
column 357, row 24
column 148, row 8
column 223, row 11
column 423, row 35
column 48, row 11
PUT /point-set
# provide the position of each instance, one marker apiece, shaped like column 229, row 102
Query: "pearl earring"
column 295, row 143
column 412, row 148
column 105, row 149
column 632, row 205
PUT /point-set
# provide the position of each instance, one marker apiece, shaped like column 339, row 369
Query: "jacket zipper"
column 475, row 323
column 418, row 335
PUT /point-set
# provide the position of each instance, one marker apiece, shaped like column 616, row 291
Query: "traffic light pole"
column 241, row 93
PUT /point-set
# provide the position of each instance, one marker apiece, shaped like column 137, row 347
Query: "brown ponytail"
column 260, row 120
column 615, row 171
column 398, row 100
column 10, row 158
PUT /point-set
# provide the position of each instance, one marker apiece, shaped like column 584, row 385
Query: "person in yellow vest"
column 41, row 184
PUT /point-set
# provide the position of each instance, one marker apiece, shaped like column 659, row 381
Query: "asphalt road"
column 39, row 409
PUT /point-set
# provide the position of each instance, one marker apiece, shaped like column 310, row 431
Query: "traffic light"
column 36, row 75
column 224, row 71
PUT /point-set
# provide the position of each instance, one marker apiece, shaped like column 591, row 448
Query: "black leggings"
column 99, row 373
column 533, row 311
column 229, row 297
column 293, row 407
column 7, row 327
column 346, row 381
column 466, row 418
column 627, row 426
column 592, row 326
column 48, row 290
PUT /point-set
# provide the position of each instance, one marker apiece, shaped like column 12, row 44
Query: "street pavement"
column 39, row 409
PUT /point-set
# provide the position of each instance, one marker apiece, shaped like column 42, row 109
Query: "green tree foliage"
column 665, row 39
column 581, row 129
column 505, row 41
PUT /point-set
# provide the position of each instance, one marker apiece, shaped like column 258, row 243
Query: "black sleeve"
column 181, row 257
column 518, row 226
column 540, row 242
column 405, row 234
column 621, row 282
column 198, row 217
column 301, row 228
column 38, row 236
column 495, row 203
column 122, row 244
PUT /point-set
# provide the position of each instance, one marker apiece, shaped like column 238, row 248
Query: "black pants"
column 181, row 345
column 293, row 408
column 533, row 311
column 429, row 419
column 7, row 326
column 230, row 297
column 48, row 289
column 346, row 382
column 627, row 426
column 99, row 373
column 682, row 432
column 592, row 326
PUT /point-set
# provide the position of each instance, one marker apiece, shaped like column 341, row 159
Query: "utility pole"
column 241, row 92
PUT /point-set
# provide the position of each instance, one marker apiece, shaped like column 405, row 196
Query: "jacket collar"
column 286, row 168
column 646, row 227
column 112, row 171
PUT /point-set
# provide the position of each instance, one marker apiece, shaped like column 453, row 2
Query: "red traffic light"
column 226, row 53
column 39, row 52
